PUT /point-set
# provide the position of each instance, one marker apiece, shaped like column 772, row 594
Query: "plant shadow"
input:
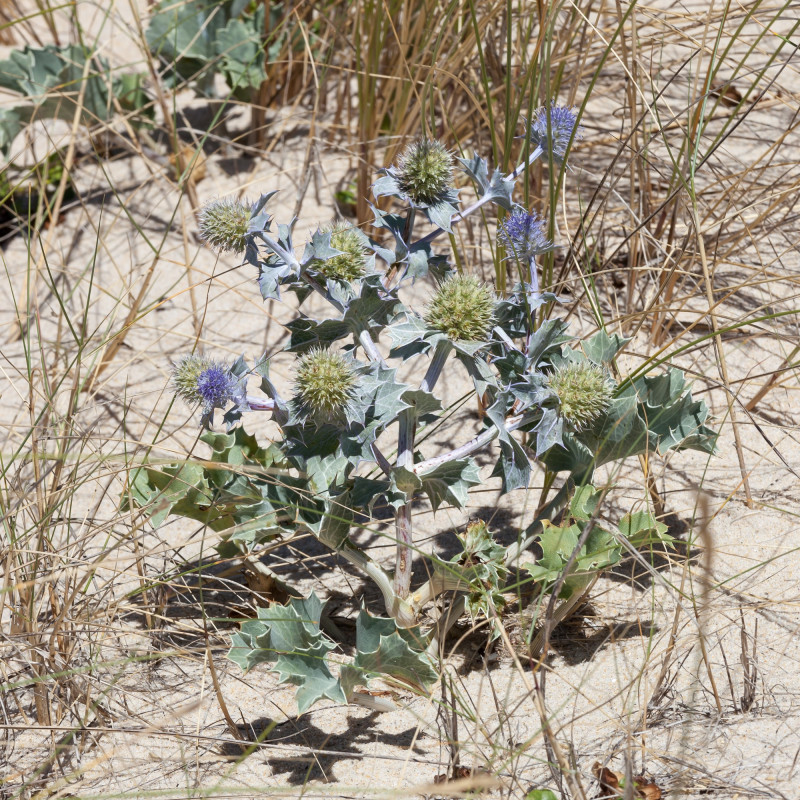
column 312, row 753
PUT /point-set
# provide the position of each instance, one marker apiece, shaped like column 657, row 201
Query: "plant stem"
column 260, row 403
column 403, row 529
column 436, row 366
column 476, row 443
column 405, row 458
column 395, row 606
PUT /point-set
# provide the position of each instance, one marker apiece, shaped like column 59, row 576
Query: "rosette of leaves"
column 290, row 641
column 480, row 570
column 577, row 551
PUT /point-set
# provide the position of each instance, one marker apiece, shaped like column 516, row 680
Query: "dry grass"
column 680, row 220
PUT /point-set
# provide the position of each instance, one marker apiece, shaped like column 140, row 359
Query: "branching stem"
column 482, row 201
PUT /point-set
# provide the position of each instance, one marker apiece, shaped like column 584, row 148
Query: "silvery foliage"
column 329, row 477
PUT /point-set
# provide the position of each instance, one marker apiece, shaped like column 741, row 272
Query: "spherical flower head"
column 425, row 172
column 325, row 384
column 523, row 236
column 352, row 263
column 224, row 223
column 200, row 381
column 563, row 121
column 462, row 309
column 583, row 390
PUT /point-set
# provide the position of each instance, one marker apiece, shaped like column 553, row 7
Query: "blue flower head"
column 200, row 381
column 563, row 121
column 523, row 236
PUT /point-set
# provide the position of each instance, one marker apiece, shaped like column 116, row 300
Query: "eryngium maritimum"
column 425, row 171
column 563, row 122
column 523, row 236
column 200, row 381
column 352, row 263
column 223, row 224
column 583, row 390
column 462, row 309
column 325, row 383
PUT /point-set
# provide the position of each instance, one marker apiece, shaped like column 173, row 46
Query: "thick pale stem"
column 404, row 557
column 474, row 444
column 396, row 607
column 403, row 529
column 405, row 458
column 260, row 403
column 370, row 348
column 436, row 366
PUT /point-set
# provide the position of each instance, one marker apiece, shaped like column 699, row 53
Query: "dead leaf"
column 462, row 774
column 728, row 94
column 612, row 784
column 646, row 789
column 608, row 779
column 195, row 163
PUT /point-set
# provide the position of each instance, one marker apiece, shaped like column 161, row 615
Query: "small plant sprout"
column 583, row 390
column 223, row 224
column 349, row 440
column 462, row 308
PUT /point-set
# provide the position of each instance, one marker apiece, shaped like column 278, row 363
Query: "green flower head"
column 425, row 171
column 224, row 223
column 583, row 390
column 462, row 309
column 352, row 263
column 325, row 384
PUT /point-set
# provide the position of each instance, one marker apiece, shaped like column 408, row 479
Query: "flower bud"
column 583, row 390
column 325, row 384
column 352, row 263
column 425, row 172
column 224, row 223
column 523, row 236
column 462, row 309
column 200, row 381
column 563, row 122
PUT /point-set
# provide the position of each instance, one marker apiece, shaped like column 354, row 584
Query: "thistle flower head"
column 583, row 390
column 462, row 309
column 556, row 136
column 200, row 381
column 425, row 171
column 352, row 263
column 325, row 384
column 223, row 224
column 523, row 236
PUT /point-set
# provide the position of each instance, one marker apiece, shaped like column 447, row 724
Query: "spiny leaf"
column 450, row 482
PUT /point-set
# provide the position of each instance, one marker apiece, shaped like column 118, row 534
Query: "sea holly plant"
column 350, row 423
